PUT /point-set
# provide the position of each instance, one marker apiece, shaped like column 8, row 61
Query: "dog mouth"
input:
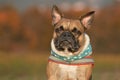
column 70, row 44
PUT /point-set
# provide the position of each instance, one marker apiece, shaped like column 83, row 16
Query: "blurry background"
column 26, row 32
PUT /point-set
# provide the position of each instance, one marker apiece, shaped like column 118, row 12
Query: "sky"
column 23, row 4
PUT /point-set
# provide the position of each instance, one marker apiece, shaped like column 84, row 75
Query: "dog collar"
column 81, row 55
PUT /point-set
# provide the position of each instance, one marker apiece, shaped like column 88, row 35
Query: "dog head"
column 68, row 34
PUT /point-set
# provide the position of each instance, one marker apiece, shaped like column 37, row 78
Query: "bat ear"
column 87, row 19
column 56, row 15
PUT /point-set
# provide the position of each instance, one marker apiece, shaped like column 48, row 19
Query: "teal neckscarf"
column 81, row 55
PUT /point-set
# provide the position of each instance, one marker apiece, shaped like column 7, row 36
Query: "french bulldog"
column 70, row 57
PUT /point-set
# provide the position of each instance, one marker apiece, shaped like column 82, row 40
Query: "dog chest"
column 67, row 70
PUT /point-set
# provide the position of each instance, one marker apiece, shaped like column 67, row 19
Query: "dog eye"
column 59, row 29
column 76, row 31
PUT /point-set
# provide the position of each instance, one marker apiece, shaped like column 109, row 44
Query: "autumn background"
column 26, row 32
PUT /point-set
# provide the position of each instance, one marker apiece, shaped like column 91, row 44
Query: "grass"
column 107, row 67
column 32, row 66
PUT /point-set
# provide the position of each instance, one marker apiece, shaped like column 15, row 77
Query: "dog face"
column 69, row 33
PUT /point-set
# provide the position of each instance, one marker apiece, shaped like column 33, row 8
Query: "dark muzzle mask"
column 67, row 41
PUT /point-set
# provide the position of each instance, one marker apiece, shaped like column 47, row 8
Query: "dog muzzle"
column 66, row 41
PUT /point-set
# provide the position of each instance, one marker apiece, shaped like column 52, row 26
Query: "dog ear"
column 87, row 19
column 56, row 15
